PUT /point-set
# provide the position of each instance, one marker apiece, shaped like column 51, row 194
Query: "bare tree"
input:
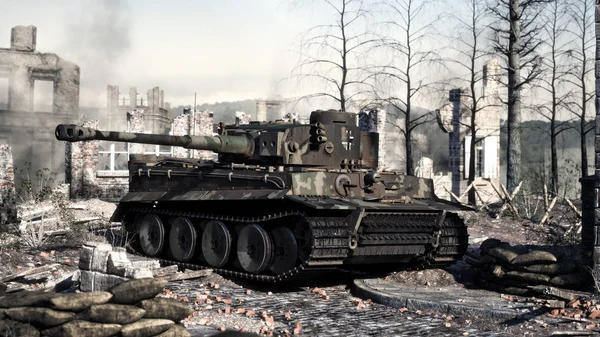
column 471, row 49
column 333, row 54
column 551, row 83
column 516, row 38
column 404, row 78
column 581, row 13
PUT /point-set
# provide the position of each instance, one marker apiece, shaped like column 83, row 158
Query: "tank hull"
column 330, row 231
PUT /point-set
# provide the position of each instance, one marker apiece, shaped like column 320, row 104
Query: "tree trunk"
column 553, row 157
column 409, row 154
column 584, row 159
column 513, row 169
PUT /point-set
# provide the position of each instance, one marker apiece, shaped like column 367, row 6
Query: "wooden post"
column 547, row 215
column 484, row 204
column 545, row 197
column 508, row 201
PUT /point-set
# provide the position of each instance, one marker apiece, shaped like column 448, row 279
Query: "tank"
column 283, row 201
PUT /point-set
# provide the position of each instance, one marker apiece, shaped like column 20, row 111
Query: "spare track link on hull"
column 329, row 246
column 329, row 242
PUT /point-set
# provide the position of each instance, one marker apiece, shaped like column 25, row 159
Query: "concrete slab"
column 446, row 300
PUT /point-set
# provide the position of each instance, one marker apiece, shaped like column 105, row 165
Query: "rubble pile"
column 103, row 266
column 129, row 309
column 516, row 270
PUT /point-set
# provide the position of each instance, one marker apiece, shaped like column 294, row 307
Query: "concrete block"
column 145, row 263
column 23, row 38
column 597, row 84
column 87, row 280
column 597, row 176
column 103, row 282
column 85, row 257
column 597, row 13
column 117, row 262
column 137, row 272
column 100, row 258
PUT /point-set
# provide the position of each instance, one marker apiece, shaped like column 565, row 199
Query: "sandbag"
column 166, row 308
column 14, row 328
column 25, row 299
column 568, row 280
column 531, row 278
column 176, row 330
column 563, row 267
column 488, row 244
column 79, row 301
column 146, row 327
column 503, row 253
column 534, row 257
column 112, row 313
column 83, row 329
column 40, row 317
column 134, row 291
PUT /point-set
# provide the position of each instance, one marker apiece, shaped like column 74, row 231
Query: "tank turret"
column 332, row 140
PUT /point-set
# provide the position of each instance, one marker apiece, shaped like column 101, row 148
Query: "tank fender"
column 317, row 202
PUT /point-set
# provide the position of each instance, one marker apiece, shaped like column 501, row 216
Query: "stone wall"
column 7, row 185
column 596, row 254
column 195, row 123
column 82, row 163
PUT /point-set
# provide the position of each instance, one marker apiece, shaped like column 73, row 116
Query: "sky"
column 222, row 50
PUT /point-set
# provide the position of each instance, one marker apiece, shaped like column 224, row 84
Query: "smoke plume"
column 99, row 36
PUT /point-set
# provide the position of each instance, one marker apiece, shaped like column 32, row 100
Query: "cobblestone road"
column 337, row 315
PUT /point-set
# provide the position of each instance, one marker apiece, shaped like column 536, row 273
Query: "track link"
column 323, row 241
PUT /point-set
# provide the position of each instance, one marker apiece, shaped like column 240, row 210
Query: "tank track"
column 324, row 246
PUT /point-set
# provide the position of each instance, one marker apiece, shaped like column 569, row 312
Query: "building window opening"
column 43, row 96
column 347, row 138
column 479, row 155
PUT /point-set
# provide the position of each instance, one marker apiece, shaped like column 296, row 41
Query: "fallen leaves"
column 298, row 328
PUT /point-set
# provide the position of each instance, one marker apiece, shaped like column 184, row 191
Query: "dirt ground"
column 62, row 251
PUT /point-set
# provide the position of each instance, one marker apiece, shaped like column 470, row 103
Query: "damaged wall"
column 195, row 123
column 82, row 160
column 31, row 133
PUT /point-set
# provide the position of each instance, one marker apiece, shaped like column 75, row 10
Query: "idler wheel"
column 152, row 234
column 285, row 250
column 216, row 244
column 254, row 249
column 182, row 239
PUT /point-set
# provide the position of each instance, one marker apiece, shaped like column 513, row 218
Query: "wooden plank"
column 480, row 198
column 187, row 275
column 545, row 197
column 509, row 200
column 578, row 212
column 466, row 191
column 547, row 215
column 29, row 272
column 453, row 195
column 165, row 270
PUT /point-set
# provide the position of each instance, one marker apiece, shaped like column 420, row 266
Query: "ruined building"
column 30, row 133
column 157, row 117
column 454, row 117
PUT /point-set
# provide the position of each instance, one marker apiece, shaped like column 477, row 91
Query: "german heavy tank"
column 284, row 201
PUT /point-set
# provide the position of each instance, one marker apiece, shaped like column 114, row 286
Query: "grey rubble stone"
column 145, row 263
column 176, row 330
column 94, row 256
column 83, row 329
column 40, row 317
column 488, row 244
column 117, row 262
column 134, row 291
column 104, row 282
column 86, row 282
column 167, row 308
column 135, row 273
column 25, row 298
column 146, row 327
column 503, row 253
column 15, row 328
column 563, row 267
column 112, row 313
column 79, row 301
column 534, row 257
column 531, row 278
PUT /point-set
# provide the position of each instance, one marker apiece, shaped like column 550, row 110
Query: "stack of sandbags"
column 513, row 270
column 129, row 309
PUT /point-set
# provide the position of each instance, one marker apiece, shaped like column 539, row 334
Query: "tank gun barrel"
column 243, row 145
